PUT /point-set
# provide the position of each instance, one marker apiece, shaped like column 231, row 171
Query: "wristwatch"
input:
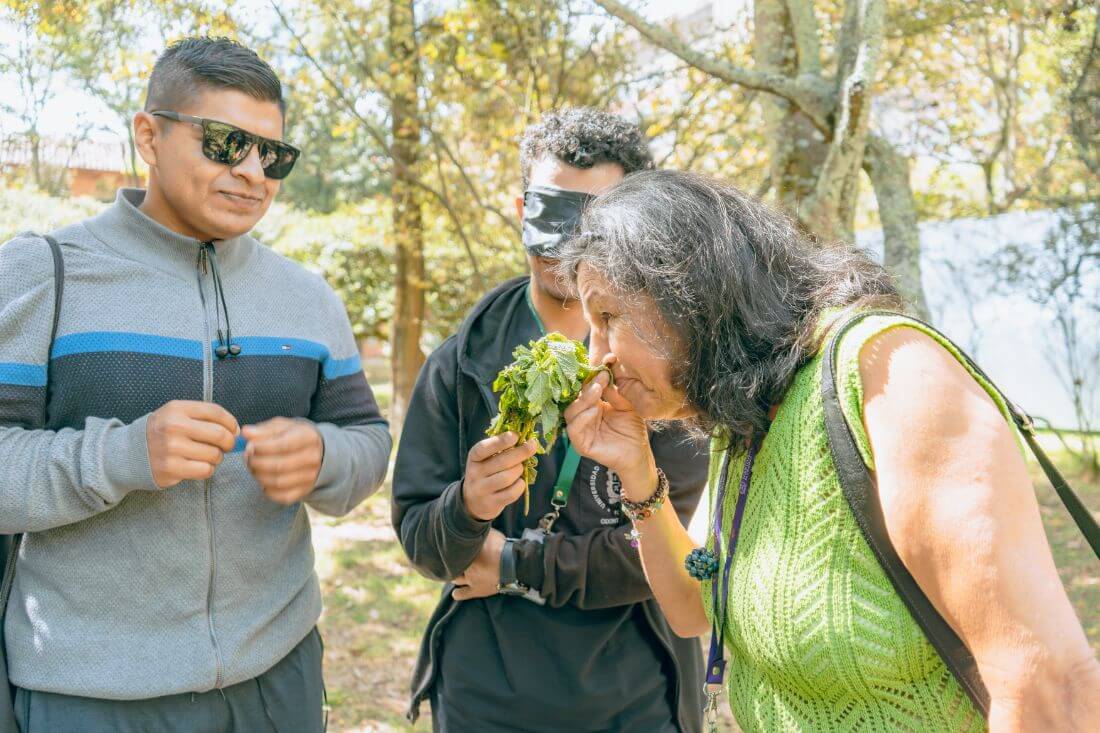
column 509, row 584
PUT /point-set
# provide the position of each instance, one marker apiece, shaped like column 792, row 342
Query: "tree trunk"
column 819, row 127
column 796, row 149
column 830, row 211
column 408, row 235
column 889, row 173
column 36, row 159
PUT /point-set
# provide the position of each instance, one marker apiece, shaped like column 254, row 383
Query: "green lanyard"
column 572, row 461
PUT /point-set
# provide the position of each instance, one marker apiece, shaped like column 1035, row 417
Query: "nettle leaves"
column 546, row 376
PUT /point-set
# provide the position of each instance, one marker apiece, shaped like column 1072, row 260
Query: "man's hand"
column 284, row 456
column 494, row 475
column 483, row 576
column 187, row 441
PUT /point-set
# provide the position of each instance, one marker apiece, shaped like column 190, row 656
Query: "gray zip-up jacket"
column 123, row 590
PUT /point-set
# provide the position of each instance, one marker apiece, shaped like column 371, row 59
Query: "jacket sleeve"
column 356, row 437
column 50, row 479
column 600, row 569
column 440, row 537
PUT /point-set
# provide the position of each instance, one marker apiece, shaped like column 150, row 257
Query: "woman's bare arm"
column 961, row 511
column 664, row 545
column 603, row 426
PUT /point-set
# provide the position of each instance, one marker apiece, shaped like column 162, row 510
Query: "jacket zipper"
column 208, row 396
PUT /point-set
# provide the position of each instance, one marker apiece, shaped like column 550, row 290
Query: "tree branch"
column 341, row 94
column 809, row 94
column 860, row 47
column 440, row 143
column 449, row 208
column 889, row 174
column 806, row 37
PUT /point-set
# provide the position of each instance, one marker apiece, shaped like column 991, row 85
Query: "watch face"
column 514, row 588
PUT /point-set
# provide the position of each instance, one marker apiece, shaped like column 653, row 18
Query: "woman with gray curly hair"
column 710, row 308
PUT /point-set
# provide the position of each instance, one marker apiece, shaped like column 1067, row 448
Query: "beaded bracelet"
column 638, row 511
column 701, row 564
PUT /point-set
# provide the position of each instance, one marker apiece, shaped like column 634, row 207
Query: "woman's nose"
column 597, row 348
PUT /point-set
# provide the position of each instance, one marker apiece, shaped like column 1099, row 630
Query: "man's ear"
column 519, row 208
column 146, row 133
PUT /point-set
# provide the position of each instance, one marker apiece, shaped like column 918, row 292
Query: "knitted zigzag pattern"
column 816, row 637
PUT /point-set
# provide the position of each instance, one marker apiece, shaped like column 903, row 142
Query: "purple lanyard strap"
column 716, row 659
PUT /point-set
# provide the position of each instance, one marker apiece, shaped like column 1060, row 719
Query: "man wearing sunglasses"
column 546, row 621
column 158, row 453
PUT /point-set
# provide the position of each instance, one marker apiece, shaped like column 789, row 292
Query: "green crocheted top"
column 816, row 637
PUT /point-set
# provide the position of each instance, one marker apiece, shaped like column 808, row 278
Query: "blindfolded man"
column 537, row 630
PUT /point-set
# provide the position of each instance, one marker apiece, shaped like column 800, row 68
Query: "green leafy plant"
column 544, row 378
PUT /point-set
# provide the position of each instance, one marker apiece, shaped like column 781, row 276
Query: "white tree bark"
column 889, row 173
column 830, row 208
column 838, row 109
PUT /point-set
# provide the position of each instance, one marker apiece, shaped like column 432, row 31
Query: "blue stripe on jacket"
column 23, row 375
column 121, row 341
column 137, row 343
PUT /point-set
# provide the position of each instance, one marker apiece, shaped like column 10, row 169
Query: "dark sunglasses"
column 223, row 143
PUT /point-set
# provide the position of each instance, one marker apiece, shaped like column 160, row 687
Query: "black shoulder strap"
column 59, row 288
column 859, row 489
column 58, row 294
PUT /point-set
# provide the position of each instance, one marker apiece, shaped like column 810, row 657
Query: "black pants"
column 447, row 718
column 288, row 698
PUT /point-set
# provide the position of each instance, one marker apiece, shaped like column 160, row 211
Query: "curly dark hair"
column 583, row 137
column 739, row 284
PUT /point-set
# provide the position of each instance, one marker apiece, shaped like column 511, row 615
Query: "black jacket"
column 587, row 563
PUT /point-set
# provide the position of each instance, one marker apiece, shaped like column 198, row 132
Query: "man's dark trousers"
column 288, row 698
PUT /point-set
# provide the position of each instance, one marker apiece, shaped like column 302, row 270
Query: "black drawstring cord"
column 204, row 269
column 204, row 258
column 226, row 347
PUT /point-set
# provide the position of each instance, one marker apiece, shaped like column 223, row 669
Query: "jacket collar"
column 129, row 231
column 489, row 335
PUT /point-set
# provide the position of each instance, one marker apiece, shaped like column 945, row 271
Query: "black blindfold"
column 550, row 216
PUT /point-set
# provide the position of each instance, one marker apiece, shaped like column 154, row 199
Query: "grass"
column 1077, row 565
column 376, row 605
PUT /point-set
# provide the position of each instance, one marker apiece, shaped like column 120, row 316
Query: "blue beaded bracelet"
column 701, row 564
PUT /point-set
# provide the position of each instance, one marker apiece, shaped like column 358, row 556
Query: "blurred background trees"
column 854, row 117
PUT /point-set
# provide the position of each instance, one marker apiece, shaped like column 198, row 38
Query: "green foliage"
column 24, row 210
column 348, row 248
column 487, row 69
column 545, row 378
column 981, row 97
column 985, row 95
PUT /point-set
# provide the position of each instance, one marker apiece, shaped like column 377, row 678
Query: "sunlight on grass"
column 376, row 607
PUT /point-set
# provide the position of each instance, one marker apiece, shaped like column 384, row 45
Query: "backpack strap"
column 1081, row 515
column 15, row 541
column 59, row 283
column 860, row 491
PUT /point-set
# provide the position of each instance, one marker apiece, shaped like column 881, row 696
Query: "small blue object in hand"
column 701, row 564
